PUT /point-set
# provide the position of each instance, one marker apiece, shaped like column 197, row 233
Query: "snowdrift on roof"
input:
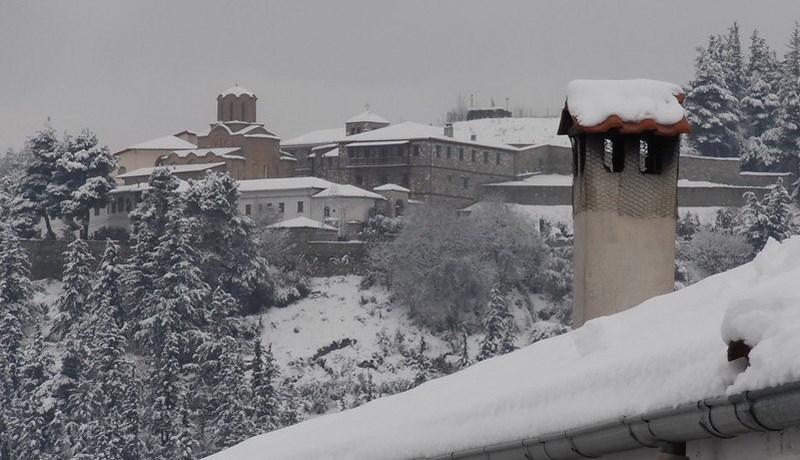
column 665, row 352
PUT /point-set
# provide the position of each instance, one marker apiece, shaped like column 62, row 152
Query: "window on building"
column 499, row 158
column 269, row 205
column 326, row 211
column 260, row 208
column 120, row 204
column 359, row 180
column 465, row 183
column 613, row 153
column 113, row 207
column 438, row 150
column 281, row 207
column 449, row 178
column 230, row 110
column 417, row 150
column 247, row 210
column 474, row 155
column 649, row 159
column 383, row 179
column 461, row 154
column 485, row 158
column 404, row 181
column 96, row 211
column 299, row 206
column 449, row 152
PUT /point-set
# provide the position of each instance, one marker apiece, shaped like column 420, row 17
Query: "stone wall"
column 726, row 171
column 47, row 256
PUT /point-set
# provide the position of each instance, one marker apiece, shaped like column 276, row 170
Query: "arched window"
column 230, row 111
column 244, row 111
column 399, row 207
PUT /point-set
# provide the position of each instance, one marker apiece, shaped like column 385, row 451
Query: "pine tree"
column 760, row 101
column 35, row 372
column 777, row 205
column 788, row 119
column 15, row 306
column 168, row 394
column 148, row 224
column 498, row 326
column 230, row 422
column 77, row 283
column 264, row 380
column 220, row 232
column 175, row 305
column 733, row 62
column 463, row 360
column 755, row 221
column 420, row 364
column 288, row 413
column 108, row 283
column 80, row 180
column 31, row 203
column 63, row 431
column 712, row 107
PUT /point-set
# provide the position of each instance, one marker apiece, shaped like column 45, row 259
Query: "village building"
column 705, row 373
column 343, row 207
column 246, row 147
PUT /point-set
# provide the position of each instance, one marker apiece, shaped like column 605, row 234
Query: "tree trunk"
column 49, row 235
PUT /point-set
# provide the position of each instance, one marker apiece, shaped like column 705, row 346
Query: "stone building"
column 245, row 146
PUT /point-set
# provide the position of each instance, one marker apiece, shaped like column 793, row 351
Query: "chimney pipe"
column 474, row 137
column 448, row 129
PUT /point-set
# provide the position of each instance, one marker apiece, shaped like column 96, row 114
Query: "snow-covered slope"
column 667, row 351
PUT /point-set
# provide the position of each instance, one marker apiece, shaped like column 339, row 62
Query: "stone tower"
column 236, row 104
column 625, row 141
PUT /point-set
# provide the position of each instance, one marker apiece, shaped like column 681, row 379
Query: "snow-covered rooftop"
column 548, row 180
column 411, row 130
column 596, row 103
column 332, row 153
column 302, row 222
column 219, row 151
column 162, row 143
column 284, row 183
column 668, row 351
column 322, row 136
column 176, row 169
column 347, row 191
column 391, row 188
column 531, row 131
column 237, row 91
column 367, row 116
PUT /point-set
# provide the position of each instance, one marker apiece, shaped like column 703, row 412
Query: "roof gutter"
column 771, row 409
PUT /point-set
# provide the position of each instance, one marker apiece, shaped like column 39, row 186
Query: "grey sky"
column 136, row 70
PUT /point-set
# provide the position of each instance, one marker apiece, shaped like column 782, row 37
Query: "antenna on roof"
column 507, row 105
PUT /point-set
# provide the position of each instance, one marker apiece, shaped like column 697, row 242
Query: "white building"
column 343, row 206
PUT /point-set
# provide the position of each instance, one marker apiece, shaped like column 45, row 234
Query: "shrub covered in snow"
column 715, row 251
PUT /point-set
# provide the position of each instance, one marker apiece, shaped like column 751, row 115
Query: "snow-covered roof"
column 548, row 180
column 631, row 105
column 325, row 147
column 666, row 352
column 410, row 130
column 376, row 143
column 347, row 191
column 529, row 131
column 142, row 186
column 367, row 116
column 334, row 152
column 391, row 188
column 322, row 136
column 176, row 169
column 237, row 91
column 162, row 143
column 302, row 222
column 219, row 151
column 283, row 183
column 245, row 131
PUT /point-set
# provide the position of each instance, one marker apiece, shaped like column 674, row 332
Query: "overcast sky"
column 135, row 70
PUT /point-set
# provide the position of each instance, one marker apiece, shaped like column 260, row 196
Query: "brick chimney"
column 448, row 129
column 625, row 142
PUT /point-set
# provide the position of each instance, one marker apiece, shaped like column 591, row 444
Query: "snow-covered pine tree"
column 264, row 382
column 148, row 223
column 108, row 283
column 226, row 241
column 230, row 423
column 498, row 326
column 71, row 305
column 175, row 306
column 760, row 100
column 777, row 205
column 755, row 222
column 15, row 306
column 169, row 419
column 290, row 402
column 712, row 107
column 35, row 372
column 63, row 430
column 733, row 62
column 788, row 119
column 463, row 358
column 420, row 364
column 32, row 200
column 81, row 180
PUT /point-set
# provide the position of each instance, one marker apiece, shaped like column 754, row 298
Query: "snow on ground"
column 668, row 351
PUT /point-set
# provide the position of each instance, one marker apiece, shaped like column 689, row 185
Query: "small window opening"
column 649, row 160
column 613, row 154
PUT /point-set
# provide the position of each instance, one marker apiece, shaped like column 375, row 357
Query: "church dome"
column 237, row 91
